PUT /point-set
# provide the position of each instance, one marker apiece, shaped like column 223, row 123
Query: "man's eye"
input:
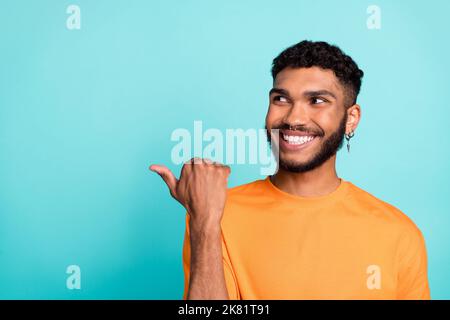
column 316, row 100
column 280, row 99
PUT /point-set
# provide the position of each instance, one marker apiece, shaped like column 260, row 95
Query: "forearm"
column 207, row 279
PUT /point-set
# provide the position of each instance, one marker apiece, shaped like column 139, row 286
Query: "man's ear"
column 353, row 117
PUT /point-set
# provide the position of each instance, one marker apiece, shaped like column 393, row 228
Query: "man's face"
column 307, row 106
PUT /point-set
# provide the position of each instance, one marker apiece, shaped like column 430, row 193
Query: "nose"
column 297, row 116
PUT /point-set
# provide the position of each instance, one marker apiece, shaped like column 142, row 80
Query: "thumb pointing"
column 167, row 175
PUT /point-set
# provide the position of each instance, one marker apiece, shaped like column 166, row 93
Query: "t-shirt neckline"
column 337, row 194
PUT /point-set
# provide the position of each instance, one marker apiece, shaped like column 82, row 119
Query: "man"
column 302, row 233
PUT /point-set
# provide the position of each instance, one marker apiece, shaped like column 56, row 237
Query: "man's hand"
column 201, row 189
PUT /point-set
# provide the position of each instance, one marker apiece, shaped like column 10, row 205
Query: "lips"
column 295, row 140
column 296, row 133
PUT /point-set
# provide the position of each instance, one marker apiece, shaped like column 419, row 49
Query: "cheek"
column 274, row 115
column 328, row 121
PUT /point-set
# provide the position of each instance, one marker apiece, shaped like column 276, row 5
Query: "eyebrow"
column 308, row 94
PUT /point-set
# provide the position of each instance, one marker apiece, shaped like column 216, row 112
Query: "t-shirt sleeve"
column 412, row 272
column 230, row 278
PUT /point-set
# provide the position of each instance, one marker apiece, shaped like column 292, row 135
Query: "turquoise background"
column 84, row 112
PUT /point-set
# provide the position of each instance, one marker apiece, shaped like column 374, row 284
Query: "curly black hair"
column 306, row 54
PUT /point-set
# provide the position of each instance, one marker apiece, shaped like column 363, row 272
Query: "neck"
column 314, row 183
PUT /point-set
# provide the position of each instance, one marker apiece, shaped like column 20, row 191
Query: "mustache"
column 285, row 126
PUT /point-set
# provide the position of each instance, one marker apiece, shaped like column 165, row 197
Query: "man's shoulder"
column 381, row 209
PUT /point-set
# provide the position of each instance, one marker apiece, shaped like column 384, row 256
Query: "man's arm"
column 202, row 190
column 206, row 276
column 413, row 269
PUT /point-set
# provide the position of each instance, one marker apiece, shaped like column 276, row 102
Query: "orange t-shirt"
column 344, row 245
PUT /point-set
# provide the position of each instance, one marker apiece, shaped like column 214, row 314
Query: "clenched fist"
column 201, row 189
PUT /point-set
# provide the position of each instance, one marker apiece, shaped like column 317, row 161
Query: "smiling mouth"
column 296, row 138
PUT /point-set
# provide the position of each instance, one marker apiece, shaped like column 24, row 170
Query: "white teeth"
column 297, row 139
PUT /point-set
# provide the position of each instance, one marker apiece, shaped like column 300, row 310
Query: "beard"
column 328, row 148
